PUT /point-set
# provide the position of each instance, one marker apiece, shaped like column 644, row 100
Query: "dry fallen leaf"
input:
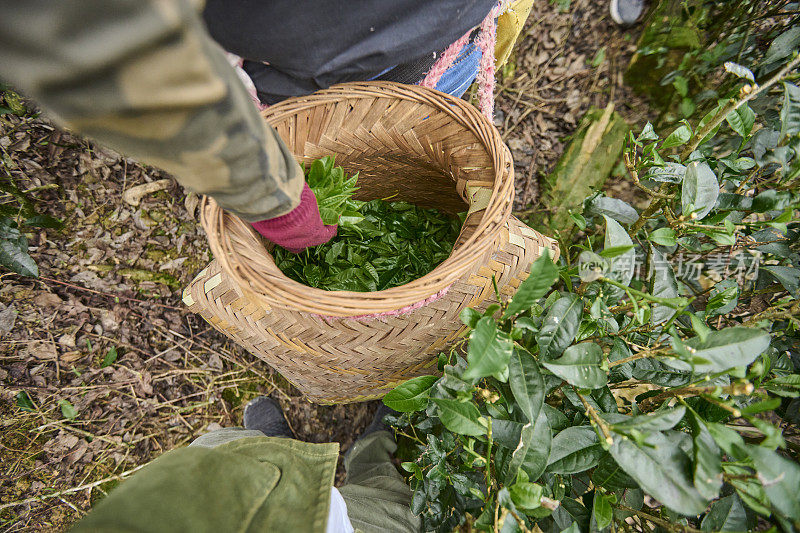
column 47, row 299
column 134, row 195
column 40, row 350
column 70, row 357
column 8, row 316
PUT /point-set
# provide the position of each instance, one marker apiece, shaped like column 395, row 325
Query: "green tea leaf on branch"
column 526, row 495
column 785, row 386
column 680, row 136
column 560, row 326
column 43, row 221
column 771, row 200
column 749, row 490
column 574, row 450
column 661, row 469
column 14, row 256
column 658, row 421
column 591, row 266
column 622, row 266
column 742, row 120
column 542, row 276
column 578, row 219
column 707, row 459
column 728, row 440
column 733, row 202
column 707, row 119
column 726, row 514
column 759, row 407
column 700, row 190
column 579, row 366
column 469, row 317
column 619, row 351
column 601, row 510
column 724, row 298
column 611, row 476
column 615, row 251
column 724, row 349
column 780, row 478
column 663, row 237
column 533, row 450
column 410, row 396
column 526, row 382
column 782, row 46
column 789, row 277
column 506, row 432
column 412, row 468
column 489, row 351
column 459, row 417
column 648, row 133
column 658, row 373
column 790, row 112
column 557, row 420
column 614, row 208
column 662, row 284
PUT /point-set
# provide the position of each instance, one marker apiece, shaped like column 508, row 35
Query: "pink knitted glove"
column 300, row 228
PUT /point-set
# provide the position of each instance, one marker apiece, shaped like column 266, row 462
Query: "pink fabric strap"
column 300, row 228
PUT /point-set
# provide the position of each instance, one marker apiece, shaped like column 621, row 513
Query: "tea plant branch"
column 489, row 455
column 639, row 355
column 678, row 528
column 650, row 210
column 675, row 303
column 736, row 389
column 773, row 314
column 595, row 419
column 747, row 93
column 496, row 514
column 630, row 165
column 732, row 410
column 520, row 521
column 406, row 435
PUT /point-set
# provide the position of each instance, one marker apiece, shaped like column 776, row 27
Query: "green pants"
column 377, row 498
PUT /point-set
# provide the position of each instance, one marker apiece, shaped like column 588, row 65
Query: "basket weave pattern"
column 413, row 144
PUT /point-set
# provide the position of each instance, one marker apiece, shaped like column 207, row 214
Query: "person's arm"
column 144, row 77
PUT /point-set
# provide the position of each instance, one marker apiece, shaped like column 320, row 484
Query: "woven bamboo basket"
column 415, row 144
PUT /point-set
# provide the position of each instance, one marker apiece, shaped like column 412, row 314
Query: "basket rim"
column 269, row 286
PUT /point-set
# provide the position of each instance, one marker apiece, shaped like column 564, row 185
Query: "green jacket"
column 239, row 486
column 145, row 78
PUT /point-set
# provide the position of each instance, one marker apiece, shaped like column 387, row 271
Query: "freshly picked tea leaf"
column 379, row 244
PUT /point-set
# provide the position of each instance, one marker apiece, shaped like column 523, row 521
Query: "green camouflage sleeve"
column 144, row 78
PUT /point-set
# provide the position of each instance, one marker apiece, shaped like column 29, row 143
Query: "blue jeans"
column 457, row 79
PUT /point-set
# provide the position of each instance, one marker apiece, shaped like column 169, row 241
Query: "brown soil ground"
column 111, row 280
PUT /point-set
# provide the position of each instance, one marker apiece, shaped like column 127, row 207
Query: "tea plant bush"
column 686, row 43
column 649, row 381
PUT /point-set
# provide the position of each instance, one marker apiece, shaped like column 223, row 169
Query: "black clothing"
column 312, row 44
